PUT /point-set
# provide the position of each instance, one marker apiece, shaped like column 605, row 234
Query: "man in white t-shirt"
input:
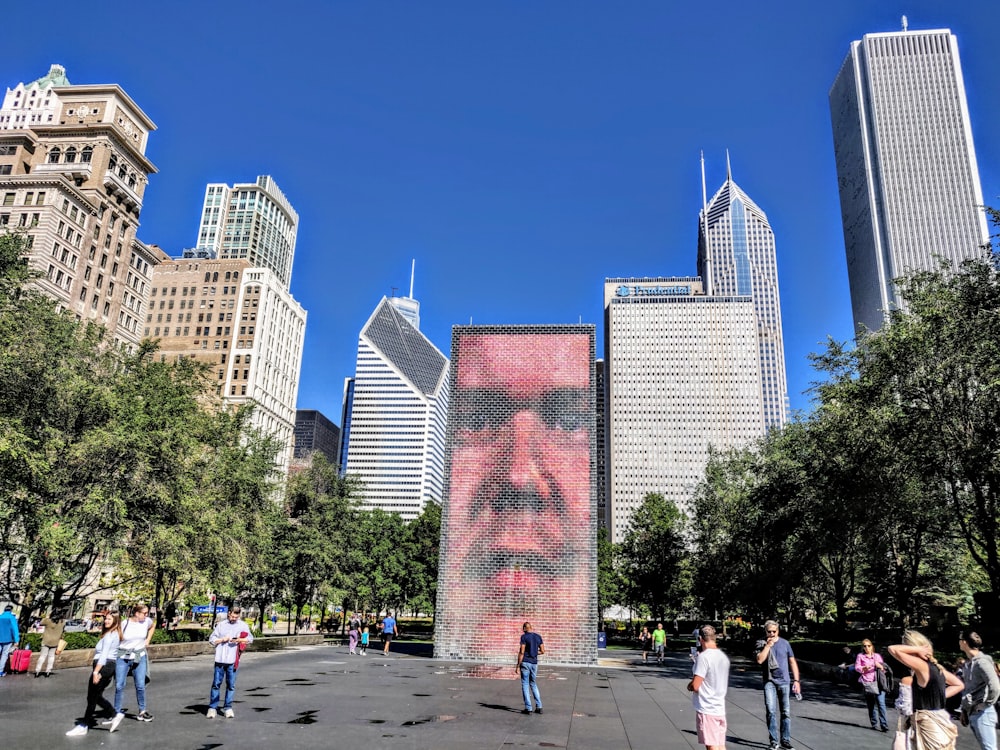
column 709, row 685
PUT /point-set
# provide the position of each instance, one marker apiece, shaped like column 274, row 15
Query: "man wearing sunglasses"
column 780, row 672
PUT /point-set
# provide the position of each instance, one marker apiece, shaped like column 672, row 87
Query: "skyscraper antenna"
column 905, row 24
column 413, row 270
column 704, row 226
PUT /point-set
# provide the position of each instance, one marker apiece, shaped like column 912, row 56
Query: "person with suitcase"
column 9, row 637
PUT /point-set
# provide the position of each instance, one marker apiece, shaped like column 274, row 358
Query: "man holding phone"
column 780, row 672
column 229, row 638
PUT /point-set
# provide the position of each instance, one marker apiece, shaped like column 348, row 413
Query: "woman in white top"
column 137, row 632
column 105, row 658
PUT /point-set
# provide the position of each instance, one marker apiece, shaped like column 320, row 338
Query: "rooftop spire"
column 729, row 169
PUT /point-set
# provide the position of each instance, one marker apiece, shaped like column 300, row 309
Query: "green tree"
column 609, row 583
column 421, row 550
column 654, row 557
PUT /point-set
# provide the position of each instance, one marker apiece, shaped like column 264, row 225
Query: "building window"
column 54, row 155
column 86, row 154
column 70, row 155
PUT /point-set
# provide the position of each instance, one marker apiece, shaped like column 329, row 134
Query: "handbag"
column 871, row 687
column 61, row 646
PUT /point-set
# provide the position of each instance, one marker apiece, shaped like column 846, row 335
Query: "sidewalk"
column 322, row 697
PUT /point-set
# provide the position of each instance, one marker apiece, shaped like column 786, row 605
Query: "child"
column 364, row 641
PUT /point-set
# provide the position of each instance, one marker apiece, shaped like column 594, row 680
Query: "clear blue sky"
column 521, row 152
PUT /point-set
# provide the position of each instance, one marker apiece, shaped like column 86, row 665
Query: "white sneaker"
column 228, row 713
column 211, row 713
column 78, row 731
column 115, row 722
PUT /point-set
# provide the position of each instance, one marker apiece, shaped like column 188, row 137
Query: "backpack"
column 886, row 679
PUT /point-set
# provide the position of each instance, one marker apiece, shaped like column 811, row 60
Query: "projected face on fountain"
column 519, row 517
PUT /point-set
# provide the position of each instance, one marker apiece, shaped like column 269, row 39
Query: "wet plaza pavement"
column 323, row 697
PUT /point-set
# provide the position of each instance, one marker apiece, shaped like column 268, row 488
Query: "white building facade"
column 395, row 424
column 906, row 165
column 737, row 257
column 683, row 375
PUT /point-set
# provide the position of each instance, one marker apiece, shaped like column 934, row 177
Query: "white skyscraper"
column 737, row 258
column 906, row 165
column 683, row 375
column 253, row 222
column 394, row 425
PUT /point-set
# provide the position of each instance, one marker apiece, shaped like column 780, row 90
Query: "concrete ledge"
column 83, row 657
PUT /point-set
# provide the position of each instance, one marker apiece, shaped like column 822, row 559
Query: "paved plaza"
column 322, row 697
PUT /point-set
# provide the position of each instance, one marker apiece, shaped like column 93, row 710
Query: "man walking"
column 230, row 638
column 709, row 685
column 982, row 688
column 780, row 672
column 9, row 636
column 659, row 642
column 527, row 665
column 389, row 631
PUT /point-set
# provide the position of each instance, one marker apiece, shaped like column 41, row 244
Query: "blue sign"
column 653, row 291
column 206, row 609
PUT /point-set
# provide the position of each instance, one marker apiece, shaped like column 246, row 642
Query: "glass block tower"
column 394, row 425
column 518, row 525
column 906, row 166
column 737, row 258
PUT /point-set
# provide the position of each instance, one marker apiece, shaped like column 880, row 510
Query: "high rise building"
column 906, row 166
column 73, row 172
column 394, row 424
column 251, row 221
column 244, row 322
column 737, row 258
column 683, row 376
column 315, row 433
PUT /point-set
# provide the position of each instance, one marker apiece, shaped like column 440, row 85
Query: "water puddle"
column 305, row 717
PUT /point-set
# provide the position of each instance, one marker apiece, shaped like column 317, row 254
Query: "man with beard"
column 518, row 537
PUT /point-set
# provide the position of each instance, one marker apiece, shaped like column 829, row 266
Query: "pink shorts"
column 711, row 729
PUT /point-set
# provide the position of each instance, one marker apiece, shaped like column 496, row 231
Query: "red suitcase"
column 20, row 659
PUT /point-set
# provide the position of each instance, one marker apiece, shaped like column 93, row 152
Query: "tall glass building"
column 737, row 258
column 394, row 425
column 253, row 222
column 906, row 166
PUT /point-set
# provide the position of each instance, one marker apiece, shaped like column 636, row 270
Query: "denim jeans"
column 529, row 687
column 876, row 710
column 5, row 650
column 777, row 700
column 138, row 670
column 229, row 672
column 984, row 726
column 95, row 693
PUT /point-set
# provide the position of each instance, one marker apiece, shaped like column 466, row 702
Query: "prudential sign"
column 653, row 291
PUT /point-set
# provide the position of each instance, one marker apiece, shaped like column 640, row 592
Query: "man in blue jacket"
column 9, row 636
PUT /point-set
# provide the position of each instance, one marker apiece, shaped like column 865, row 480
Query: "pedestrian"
column 389, row 631
column 846, row 667
column 53, row 625
column 527, row 664
column 780, row 673
column 982, row 689
column 904, row 710
column 137, row 632
column 230, row 639
column 105, row 657
column 659, row 642
column 709, row 685
column 364, row 641
column 931, row 726
column 352, row 635
column 644, row 640
column 868, row 664
column 10, row 636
